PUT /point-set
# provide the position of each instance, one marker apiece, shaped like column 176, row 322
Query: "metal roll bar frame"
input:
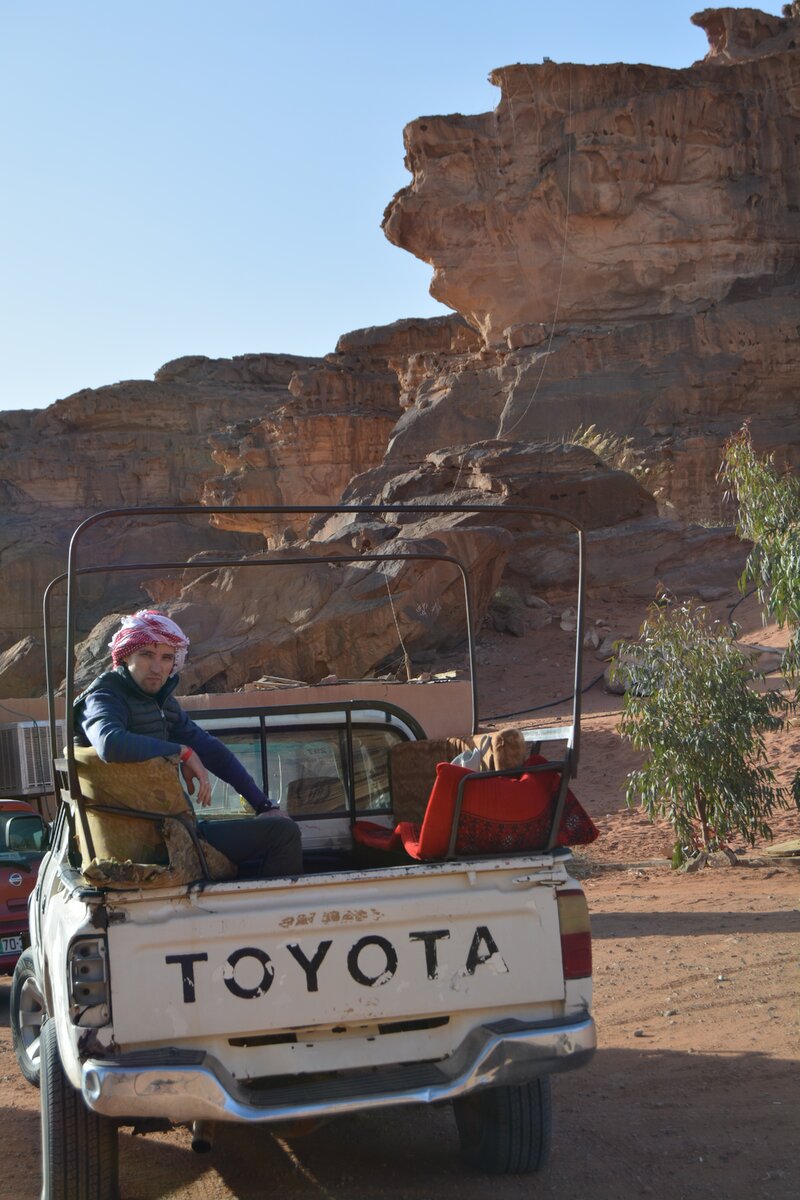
column 568, row 766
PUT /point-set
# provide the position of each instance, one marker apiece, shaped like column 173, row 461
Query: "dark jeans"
column 267, row 846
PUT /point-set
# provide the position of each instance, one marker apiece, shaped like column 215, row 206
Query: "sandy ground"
column 694, row 1090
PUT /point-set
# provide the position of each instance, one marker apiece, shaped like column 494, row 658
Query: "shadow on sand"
column 635, row 1122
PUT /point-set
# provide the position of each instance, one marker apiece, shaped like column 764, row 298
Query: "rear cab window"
column 311, row 771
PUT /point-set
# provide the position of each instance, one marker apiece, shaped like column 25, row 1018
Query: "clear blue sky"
column 209, row 176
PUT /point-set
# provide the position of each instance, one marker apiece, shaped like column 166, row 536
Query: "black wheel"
column 26, row 1010
column 506, row 1130
column 79, row 1148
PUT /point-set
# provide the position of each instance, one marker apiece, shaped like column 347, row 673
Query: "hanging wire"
column 458, row 476
column 520, row 712
column 406, row 659
column 741, row 600
column 546, row 354
column 25, row 716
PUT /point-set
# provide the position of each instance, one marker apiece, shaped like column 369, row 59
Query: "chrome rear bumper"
column 182, row 1086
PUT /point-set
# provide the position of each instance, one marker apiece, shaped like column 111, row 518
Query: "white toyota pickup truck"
column 375, row 978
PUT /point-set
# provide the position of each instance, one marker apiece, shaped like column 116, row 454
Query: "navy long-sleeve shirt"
column 125, row 724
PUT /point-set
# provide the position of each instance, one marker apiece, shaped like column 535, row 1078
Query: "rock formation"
column 335, row 424
column 628, row 544
column 145, row 443
column 619, row 246
column 625, row 240
column 305, row 624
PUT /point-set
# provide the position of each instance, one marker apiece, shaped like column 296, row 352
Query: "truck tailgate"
column 334, row 950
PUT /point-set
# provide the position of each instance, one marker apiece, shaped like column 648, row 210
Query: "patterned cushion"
column 499, row 815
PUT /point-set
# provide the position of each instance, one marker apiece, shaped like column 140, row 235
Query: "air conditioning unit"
column 26, row 768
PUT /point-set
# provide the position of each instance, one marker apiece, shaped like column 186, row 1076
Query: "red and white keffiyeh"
column 146, row 628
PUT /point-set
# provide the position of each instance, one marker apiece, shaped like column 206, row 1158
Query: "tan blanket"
column 135, row 851
column 412, row 765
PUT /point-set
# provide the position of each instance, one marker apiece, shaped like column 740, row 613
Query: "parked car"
column 23, row 839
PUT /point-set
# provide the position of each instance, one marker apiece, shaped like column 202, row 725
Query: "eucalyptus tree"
column 691, row 707
column 768, row 516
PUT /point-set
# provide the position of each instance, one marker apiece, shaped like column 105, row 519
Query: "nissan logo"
column 15, row 880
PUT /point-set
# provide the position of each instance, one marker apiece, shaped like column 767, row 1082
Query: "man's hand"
column 192, row 769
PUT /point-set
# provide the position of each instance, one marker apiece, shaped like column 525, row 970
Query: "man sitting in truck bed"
column 130, row 714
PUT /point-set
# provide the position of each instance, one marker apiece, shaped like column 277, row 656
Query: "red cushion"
column 376, row 837
column 577, row 827
column 499, row 814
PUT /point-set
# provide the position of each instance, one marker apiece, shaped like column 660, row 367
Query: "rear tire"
column 26, row 1012
column 506, row 1130
column 80, row 1158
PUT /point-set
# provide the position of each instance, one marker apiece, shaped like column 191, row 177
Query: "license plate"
column 11, row 945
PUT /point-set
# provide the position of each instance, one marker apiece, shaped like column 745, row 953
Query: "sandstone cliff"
column 625, row 240
column 335, row 423
column 619, row 245
column 145, row 443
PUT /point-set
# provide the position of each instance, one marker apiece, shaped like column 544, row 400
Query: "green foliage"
column 769, row 517
column 692, row 709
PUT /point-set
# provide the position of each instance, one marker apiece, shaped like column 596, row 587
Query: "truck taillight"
column 87, row 975
column 576, row 936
